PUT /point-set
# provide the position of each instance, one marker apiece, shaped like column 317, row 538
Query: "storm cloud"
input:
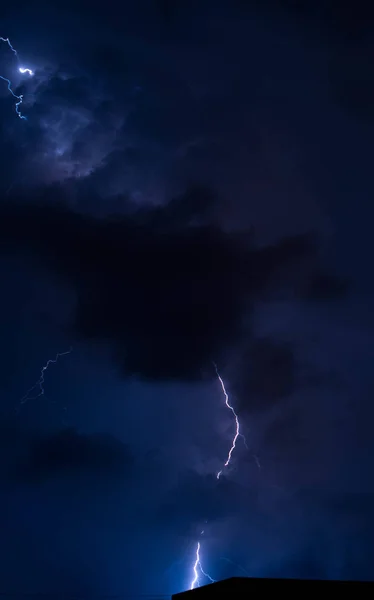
column 192, row 185
column 69, row 453
column 169, row 295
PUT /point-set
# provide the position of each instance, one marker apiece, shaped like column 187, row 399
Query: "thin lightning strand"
column 257, row 461
column 39, row 385
column 237, row 424
column 19, row 98
column 242, row 569
column 7, row 41
column 22, row 70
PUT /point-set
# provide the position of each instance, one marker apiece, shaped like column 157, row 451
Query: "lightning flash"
column 22, row 70
column 198, row 568
column 237, row 424
column 37, row 389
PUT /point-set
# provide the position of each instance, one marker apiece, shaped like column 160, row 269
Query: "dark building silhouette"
column 237, row 588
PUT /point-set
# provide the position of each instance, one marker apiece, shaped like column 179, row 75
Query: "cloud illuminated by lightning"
column 196, row 568
column 22, row 70
column 38, row 387
column 237, row 424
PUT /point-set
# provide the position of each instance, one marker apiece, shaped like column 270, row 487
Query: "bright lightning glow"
column 22, row 70
column 237, row 424
column 196, row 568
column 38, row 387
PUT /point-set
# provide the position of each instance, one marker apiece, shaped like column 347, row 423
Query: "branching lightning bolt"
column 195, row 582
column 237, row 424
column 196, row 568
column 22, row 70
column 37, row 389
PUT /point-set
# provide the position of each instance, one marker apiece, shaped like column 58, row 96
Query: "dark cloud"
column 202, row 499
column 167, row 296
column 286, row 432
column 351, row 78
column 195, row 207
column 266, row 373
column 326, row 286
column 344, row 19
column 35, row 456
column 346, row 30
column 70, row 453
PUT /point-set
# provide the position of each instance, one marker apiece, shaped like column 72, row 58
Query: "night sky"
column 192, row 187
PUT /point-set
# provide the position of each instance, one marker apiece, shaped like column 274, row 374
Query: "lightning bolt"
column 237, row 424
column 22, row 70
column 196, row 568
column 195, row 582
column 38, row 387
column 7, row 41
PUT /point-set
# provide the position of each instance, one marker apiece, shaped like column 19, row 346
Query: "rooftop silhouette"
column 241, row 587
